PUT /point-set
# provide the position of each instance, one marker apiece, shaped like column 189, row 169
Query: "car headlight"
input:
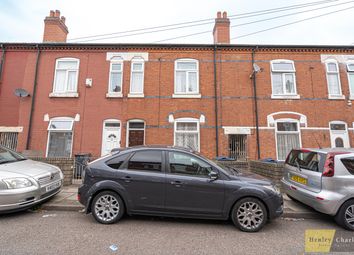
column 273, row 188
column 17, row 183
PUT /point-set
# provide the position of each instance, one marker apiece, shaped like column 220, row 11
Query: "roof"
column 120, row 46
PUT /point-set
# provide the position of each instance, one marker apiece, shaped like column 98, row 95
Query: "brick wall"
column 273, row 171
column 65, row 164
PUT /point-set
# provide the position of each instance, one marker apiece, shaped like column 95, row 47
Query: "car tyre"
column 107, row 207
column 345, row 215
column 249, row 214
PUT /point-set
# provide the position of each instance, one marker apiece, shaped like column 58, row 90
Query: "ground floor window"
column 60, row 137
column 9, row 140
column 238, row 147
column 287, row 137
column 187, row 133
column 136, row 133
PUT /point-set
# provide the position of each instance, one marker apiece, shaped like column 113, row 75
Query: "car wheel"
column 107, row 207
column 345, row 215
column 249, row 214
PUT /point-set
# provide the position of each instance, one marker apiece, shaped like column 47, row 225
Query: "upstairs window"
column 186, row 76
column 66, row 75
column 333, row 81
column 283, row 78
column 115, row 76
column 350, row 71
column 137, row 77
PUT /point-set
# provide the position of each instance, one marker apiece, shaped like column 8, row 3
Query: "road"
column 55, row 232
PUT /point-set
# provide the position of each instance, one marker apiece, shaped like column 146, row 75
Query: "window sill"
column 66, row 94
column 135, row 95
column 114, row 95
column 186, row 96
column 285, row 97
column 336, row 97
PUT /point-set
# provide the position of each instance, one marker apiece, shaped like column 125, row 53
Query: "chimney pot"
column 57, row 13
column 218, row 15
column 51, row 14
column 224, row 15
column 63, row 19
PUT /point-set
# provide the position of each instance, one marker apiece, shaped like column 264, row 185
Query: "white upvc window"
column 287, row 137
column 115, row 83
column 137, row 78
column 186, row 78
column 60, row 137
column 283, row 79
column 66, row 77
column 333, row 80
column 186, row 133
column 350, row 72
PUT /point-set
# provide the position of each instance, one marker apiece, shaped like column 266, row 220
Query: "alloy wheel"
column 107, row 208
column 250, row 215
column 349, row 215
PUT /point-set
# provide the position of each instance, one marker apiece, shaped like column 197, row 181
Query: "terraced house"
column 222, row 99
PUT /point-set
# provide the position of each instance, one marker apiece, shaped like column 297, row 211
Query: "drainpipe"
column 33, row 98
column 2, row 63
column 216, row 105
column 255, row 102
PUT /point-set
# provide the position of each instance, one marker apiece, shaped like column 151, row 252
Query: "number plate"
column 299, row 179
column 53, row 186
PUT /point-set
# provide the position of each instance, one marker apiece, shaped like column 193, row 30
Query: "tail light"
column 328, row 169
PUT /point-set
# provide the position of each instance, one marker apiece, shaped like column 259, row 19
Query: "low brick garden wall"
column 273, row 171
column 65, row 164
column 243, row 165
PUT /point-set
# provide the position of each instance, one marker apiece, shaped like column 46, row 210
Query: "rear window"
column 116, row 162
column 349, row 164
column 308, row 160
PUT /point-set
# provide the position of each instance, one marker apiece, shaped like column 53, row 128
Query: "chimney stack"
column 55, row 29
column 221, row 30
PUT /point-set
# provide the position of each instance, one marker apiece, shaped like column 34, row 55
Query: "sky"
column 22, row 20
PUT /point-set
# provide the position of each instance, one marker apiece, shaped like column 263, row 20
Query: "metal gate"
column 9, row 140
column 238, row 147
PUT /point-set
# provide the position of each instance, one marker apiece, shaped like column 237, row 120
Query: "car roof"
column 154, row 147
column 327, row 150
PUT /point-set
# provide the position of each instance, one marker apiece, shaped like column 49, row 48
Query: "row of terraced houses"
column 59, row 99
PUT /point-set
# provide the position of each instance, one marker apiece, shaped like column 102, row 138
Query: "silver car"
column 324, row 180
column 24, row 182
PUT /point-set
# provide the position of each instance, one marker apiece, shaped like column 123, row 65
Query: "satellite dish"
column 256, row 68
column 21, row 93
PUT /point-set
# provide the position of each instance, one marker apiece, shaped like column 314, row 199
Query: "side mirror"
column 213, row 176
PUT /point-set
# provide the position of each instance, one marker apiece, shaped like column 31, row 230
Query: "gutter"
column 33, row 98
column 2, row 61
column 255, row 103
column 216, row 105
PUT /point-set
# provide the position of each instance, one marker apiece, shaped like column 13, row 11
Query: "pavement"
column 66, row 200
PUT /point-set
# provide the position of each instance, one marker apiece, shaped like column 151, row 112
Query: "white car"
column 24, row 182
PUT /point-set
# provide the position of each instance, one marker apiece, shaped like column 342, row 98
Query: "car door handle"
column 177, row 183
column 127, row 179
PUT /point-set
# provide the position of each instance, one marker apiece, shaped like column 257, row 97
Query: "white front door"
column 339, row 135
column 110, row 136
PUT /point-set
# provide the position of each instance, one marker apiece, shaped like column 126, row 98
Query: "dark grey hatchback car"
column 171, row 181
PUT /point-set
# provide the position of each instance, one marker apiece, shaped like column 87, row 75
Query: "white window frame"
column 134, row 61
column 67, row 119
column 349, row 73
column 284, row 73
column 332, row 96
column 188, row 120
column 194, row 94
column 128, row 128
column 66, row 93
column 115, row 60
column 286, row 132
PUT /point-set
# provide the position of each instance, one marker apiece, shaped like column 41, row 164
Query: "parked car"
column 24, row 182
column 324, row 180
column 171, row 181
